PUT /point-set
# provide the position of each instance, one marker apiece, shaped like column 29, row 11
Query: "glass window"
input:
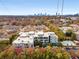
column 40, row 37
column 35, row 38
column 41, row 40
column 45, row 37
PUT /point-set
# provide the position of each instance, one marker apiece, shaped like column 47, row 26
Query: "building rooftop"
column 68, row 43
column 23, row 40
column 64, row 29
column 28, row 37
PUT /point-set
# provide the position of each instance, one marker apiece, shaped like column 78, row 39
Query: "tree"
column 13, row 37
column 54, row 28
column 70, row 35
column 73, row 37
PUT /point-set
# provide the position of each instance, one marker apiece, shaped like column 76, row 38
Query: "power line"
column 57, row 7
column 62, row 7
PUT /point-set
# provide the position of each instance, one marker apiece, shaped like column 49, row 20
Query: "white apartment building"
column 26, row 39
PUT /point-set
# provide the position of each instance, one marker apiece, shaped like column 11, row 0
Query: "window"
column 41, row 40
column 45, row 37
column 35, row 38
column 26, row 45
column 40, row 37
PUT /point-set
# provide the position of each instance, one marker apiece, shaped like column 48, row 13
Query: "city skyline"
column 31, row 7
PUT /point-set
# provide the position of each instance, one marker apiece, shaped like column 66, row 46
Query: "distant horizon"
column 31, row 7
column 40, row 15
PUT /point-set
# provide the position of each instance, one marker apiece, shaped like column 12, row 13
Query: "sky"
column 30, row 7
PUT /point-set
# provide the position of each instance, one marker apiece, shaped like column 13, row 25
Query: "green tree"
column 13, row 37
column 70, row 35
column 54, row 28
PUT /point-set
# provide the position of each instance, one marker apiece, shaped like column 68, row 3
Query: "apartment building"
column 26, row 39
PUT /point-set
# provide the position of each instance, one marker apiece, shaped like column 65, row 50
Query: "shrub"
column 35, row 53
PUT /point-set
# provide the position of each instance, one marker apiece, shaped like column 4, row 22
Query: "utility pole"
column 62, row 7
column 57, row 8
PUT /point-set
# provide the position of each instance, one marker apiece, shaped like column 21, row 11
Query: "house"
column 68, row 43
column 26, row 39
column 75, row 27
column 77, row 42
column 10, row 28
column 74, row 18
column 4, row 36
column 23, row 40
column 34, row 28
column 64, row 29
column 77, row 35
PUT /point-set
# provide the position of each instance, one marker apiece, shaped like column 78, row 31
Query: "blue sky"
column 28, row 7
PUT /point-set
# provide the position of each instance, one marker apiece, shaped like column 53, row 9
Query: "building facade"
column 26, row 39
